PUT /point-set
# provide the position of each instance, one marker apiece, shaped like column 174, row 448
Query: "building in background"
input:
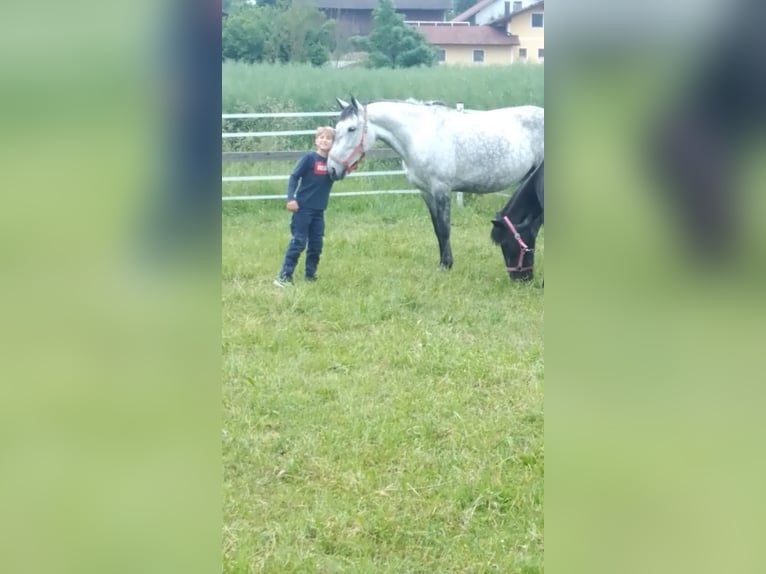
column 523, row 21
column 354, row 17
column 490, row 32
column 462, row 43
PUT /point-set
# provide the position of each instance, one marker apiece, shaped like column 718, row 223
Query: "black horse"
column 515, row 227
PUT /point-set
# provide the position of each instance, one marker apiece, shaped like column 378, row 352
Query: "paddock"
column 390, row 416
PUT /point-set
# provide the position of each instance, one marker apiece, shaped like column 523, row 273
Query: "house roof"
column 479, row 6
column 533, row 6
column 398, row 4
column 467, row 35
column 463, row 16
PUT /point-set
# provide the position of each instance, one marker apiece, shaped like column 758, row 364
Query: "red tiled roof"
column 467, row 35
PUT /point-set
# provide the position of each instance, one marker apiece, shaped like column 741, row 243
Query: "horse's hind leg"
column 439, row 207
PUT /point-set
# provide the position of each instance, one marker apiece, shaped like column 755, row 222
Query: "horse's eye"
column 352, row 129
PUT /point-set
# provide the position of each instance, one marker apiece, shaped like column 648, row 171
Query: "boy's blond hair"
column 326, row 130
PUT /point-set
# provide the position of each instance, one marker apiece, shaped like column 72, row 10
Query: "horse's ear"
column 355, row 102
column 343, row 105
column 497, row 223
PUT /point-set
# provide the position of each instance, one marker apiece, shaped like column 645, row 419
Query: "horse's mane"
column 436, row 103
column 424, row 103
column 528, row 185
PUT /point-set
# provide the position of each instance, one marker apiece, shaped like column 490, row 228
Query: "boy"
column 308, row 191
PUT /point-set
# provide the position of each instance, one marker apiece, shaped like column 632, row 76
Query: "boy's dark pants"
column 307, row 228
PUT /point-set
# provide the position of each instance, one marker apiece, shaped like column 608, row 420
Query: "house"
column 462, row 43
column 522, row 20
column 354, row 17
column 528, row 24
column 487, row 11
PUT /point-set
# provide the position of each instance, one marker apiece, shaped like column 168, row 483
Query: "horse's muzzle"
column 525, row 275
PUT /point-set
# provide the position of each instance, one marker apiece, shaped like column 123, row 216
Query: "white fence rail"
column 241, row 178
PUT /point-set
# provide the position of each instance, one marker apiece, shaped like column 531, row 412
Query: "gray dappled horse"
column 442, row 149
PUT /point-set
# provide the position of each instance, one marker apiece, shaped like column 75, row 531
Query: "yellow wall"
column 464, row 55
column 529, row 37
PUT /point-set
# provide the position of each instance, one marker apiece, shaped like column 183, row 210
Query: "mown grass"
column 388, row 418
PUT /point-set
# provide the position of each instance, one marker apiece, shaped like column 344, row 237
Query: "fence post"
column 459, row 107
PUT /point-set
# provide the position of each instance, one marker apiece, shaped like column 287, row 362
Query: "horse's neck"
column 390, row 127
column 526, row 204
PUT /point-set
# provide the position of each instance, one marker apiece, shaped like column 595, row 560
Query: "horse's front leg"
column 438, row 203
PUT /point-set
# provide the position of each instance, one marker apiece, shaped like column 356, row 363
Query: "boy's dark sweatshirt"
column 309, row 183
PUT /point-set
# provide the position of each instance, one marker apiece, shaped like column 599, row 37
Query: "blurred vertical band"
column 110, row 290
column 185, row 214
column 654, row 303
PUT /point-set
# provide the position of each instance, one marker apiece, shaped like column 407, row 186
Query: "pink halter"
column 523, row 251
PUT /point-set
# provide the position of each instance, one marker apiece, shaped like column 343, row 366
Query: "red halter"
column 346, row 163
column 523, row 251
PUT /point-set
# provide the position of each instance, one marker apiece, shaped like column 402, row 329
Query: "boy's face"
column 323, row 142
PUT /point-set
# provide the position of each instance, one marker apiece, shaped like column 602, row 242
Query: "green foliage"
column 264, row 106
column 392, row 43
column 315, row 89
column 303, row 33
column 244, row 35
column 287, row 32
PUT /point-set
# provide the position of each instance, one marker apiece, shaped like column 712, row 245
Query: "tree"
column 305, row 34
column 394, row 44
column 231, row 6
column 288, row 32
column 244, row 35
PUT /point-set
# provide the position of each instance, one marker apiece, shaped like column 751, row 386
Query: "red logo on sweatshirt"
column 320, row 168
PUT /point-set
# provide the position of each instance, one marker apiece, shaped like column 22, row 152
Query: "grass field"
column 388, row 418
column 274, row 88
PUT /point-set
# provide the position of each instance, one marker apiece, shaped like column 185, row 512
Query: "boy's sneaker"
column 283, row 281
column 311, row 278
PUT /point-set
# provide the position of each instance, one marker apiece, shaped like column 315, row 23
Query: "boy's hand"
column 292, row 205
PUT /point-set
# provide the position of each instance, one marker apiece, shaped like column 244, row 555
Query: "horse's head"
column 515, row 228
column 350, row 143
column 517, row 242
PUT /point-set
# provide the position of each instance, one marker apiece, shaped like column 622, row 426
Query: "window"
column 537, row 20
column 441, row 55
column 541, row 53
column 478, row 55
column 522, row 52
